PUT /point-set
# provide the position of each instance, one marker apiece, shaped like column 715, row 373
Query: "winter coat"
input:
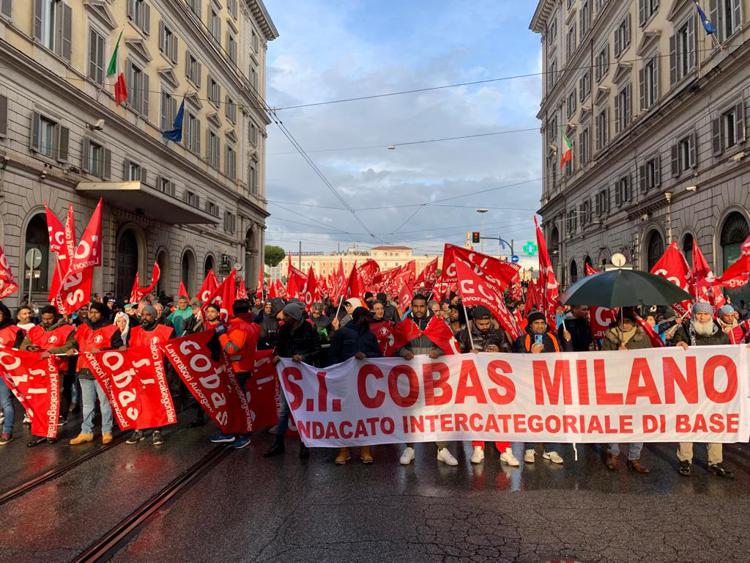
column 482, row 339
column 686, row 334
column 351, row 339
column 613, row 339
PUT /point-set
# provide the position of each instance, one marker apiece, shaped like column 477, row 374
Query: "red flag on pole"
column 505, row 274
column 737, row 274
column 367, row 272
column 354, row 287
column 139, row 292
column 311, row 293
column 55, row 230
column 601, row 317
column 8, row 283
column 182, row 292
column 656, row 341
column 438, row 331
column 673, row 267
column 547, row 281
column 428, row 276
column 242, row 290
column 703, row 284
column 210, row 283
column 224, row 295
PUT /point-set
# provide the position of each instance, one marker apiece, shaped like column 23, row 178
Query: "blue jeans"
column 90, row 390
column 6, row 404
column 634, row 450
column 283, row 425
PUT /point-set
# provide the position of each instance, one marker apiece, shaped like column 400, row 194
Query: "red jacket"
column 89, row 339
column 239, row 343
column 141, row 337
column 8, row 336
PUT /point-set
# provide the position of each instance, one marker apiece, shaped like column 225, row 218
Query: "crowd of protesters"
column 328, row 334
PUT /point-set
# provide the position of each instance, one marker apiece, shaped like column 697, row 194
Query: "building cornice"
column 62, row 88
column 543, row 11
column 261, row 15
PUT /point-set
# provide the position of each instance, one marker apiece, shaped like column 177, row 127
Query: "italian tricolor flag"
column 567, row 151
column 121, row 90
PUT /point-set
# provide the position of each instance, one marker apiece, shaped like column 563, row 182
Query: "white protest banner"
column 657, row 395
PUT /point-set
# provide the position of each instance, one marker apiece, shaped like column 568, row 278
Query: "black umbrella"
column 623, row 288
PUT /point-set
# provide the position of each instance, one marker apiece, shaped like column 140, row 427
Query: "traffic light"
column 475, row 237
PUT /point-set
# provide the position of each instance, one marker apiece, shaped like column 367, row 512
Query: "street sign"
column 530, row 248
column 33, row 258
column 514, row 258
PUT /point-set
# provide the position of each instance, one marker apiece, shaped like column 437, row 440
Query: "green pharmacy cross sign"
column 530, row 248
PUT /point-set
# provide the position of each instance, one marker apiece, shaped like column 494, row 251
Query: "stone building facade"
column 189, row 206
column 655, row 109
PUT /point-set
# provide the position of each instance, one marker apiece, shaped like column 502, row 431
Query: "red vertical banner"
column 262, row 391
column 548, row 285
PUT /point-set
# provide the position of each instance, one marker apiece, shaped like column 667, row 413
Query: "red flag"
column 88, row 251
column 367, row 272
column 139, row 292
column 182, row 292
column 262, row 391
column 533, row 299
column 8, row 284
column 438, row 331
column 673, row 267
column 64, row 253
column 292, row 288
column 295, row 280
column 401, row 334
column 503, row 274
column 404, row 285
column 703, row 284
column 428, row 276
column 656, row 341
column 208, row 287
column 737, row 274
column 224, row 295
column 312, row 291
column 35, row 382
column 242, row 290
column 547, row 281
column 55, row 230
column 354, row 286
column 476, row 290
column 121, row 90
column 136, row 385
column 338, row 285
column 75, row 291
column 601, row 317
column 272, row 290
column 211, row 381
column 589, row 269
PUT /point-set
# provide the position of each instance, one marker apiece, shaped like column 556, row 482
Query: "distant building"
column 655, row 109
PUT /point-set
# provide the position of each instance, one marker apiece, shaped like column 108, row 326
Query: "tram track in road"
column 119, row 536
column 58, row 471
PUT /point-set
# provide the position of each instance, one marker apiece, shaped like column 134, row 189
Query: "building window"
column 230, row 221
column 165, row 186
column 733, row 233
column 138, row 87
column 214, row 23
column 623, row 190
column 232, row 47
column 192, row 133
column 48, row 137
column 649, row 83
column 684, row 154
column 168, row 110
column 96, row 56
column 650, row 174
column 193, row 69
column 53, row 26
column 95, row 159
column 572, row 222
column 584, row 143
column 726, row 16
column 585, row 17
column 252, row 179
column 252, row 134
column 552, row 29
column 139, row 14
column 622, row 36
column 214, row 92
column 602, row 129
column 213, row 153
column 254, row 77
column 167, row 42
column 728, row 129
column 255, row 42
column 602, row 202
column 646, row 9
column 212, row 208
column 230, row 162
column 195, row 6
column 571, row 41
column 230, row 109
column 232, row 6
column 623, row 109
column 133, row 172
column 191, row 198
column 572, row 100
column 552, row 131
column 682, row 58
column 602, row 63
column 584, row 85
column 654, row 249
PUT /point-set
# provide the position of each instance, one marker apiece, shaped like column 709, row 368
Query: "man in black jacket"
column 578, row 325
column 354, row 341
column 298, row 340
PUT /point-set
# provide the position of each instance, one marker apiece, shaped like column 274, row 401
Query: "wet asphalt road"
column 249, row 508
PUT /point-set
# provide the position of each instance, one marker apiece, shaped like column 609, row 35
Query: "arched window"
column 36, row 237
column 128, row 260
column 733, row 234
column 654, row 249
column 687, row 248
column 573, row 272
column 251, row 274
column 162, row 286
column 208, row 265
column 187, row 271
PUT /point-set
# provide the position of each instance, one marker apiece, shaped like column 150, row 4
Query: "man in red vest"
column 239, row 343
column 149, row 332
column 94, row 335
column 10, row 337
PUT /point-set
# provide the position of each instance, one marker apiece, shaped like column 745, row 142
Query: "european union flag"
column 175, row 134
column 707, row 24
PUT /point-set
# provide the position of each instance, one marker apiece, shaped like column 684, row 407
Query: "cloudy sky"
column 420, row 195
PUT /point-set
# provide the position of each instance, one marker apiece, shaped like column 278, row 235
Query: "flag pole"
column 468, row 325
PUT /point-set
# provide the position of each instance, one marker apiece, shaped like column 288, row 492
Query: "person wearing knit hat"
column 538, row 339
column 728, row 320
column 294, row 311
column 701, row 330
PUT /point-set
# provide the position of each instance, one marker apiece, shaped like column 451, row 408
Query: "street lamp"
column 481, row 211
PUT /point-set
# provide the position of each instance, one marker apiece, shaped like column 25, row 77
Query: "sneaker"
column 685, row 468
column 156, row 438
column 136, row 437
column 478, row 455
column 720, row 471
column 241, row 442
column 446, row 457
column 529, row 456
column 407, row 457
column 554, row 457
column 508, row 458
column 222, row 438
column 276, row 449
column 26, row 419
column 6, row 438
